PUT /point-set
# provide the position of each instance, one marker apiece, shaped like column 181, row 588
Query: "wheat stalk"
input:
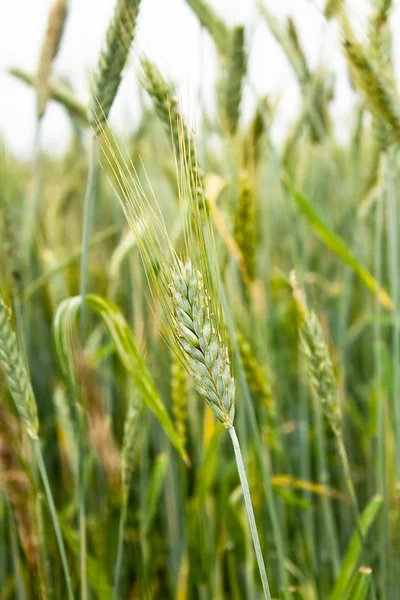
column 129, row 444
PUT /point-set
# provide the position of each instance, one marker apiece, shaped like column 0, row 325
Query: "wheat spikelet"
column 112, row 60
column 213, row 23
column 17, row 377
column 50, row 46
column 163, row 95
column 129, row 442
column 235, row 73
column 246, row 225
column 202, row 350
column 319, row 365
column 179, row 393
column 379, row 94
column 17, row 487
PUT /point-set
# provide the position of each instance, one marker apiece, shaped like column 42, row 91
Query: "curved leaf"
column 125, row 345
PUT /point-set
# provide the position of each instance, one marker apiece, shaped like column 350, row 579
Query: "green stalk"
column 323, row 477
column 249, row 510
column 91, row 192
column 393, row 253
column 381, row 484
column 120, row 550
column 269, row 492
column 53, row 512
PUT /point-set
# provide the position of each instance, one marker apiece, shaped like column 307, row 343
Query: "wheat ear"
column 18, row 380
column 204, row 354
column 236, row 70
column 164, row 97
column 49, row 50
column 20, row 387
column 323, row 382
column 207, row 360
column 112, row 61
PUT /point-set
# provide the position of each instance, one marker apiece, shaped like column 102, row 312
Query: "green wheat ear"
column 319, row 365
column 16, row 373
column 179, row 397
column 112, row 61
column 50, row 46
column 201, row 345
column 236, row 71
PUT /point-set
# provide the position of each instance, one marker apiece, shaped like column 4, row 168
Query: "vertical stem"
column 89, row 202
column 120, row 550
column 265, row 469
column 90, row 195
column 381, row 467
column 53, row 512
column 323, row 477
column 249, row 509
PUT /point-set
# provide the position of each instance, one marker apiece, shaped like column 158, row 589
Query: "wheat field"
column 200, row 328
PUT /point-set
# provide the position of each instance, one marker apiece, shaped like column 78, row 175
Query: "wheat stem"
column 53, row 512
column 249, row 510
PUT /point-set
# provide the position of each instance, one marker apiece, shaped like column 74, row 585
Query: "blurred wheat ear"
column 113, row 57
column 50, row 46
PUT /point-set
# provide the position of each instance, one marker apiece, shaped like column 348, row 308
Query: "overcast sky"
column 169, row 34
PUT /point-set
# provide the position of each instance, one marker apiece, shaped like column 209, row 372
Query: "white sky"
column 169, row 34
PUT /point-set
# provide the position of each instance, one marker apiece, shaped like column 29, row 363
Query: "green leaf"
column 337, row 245
column 126, row 348
column 361, row 585
column 353, row 551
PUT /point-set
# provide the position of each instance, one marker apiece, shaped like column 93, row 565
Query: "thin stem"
column 249, row 510
column 53, row 512
column 87, row 221
column 120, row 550
column 265, row 469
